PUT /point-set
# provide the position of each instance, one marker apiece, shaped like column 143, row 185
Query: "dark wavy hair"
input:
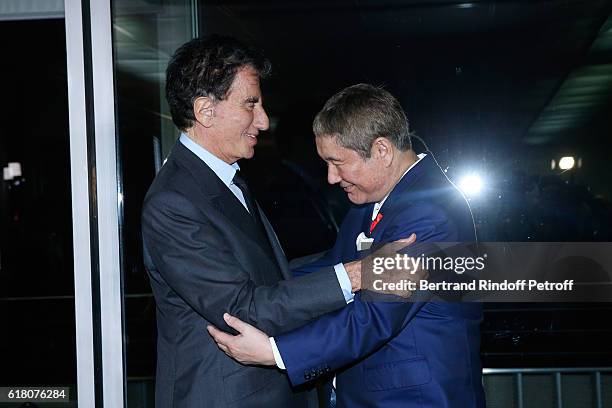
column 207, row 66
column 359, row 114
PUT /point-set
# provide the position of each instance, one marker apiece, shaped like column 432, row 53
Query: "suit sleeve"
column 342, row 337
column 313, row 263
column 199, row 266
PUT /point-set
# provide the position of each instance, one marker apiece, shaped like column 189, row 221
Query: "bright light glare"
column 566, row 163
column 6, row 174
column 15, row 169
column 471, row 184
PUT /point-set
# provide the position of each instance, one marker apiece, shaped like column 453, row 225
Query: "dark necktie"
column 246, row 193
column 255, row 216
column 250, row 201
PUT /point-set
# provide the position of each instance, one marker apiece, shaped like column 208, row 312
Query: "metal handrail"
column 519, row 373
column 547, row 370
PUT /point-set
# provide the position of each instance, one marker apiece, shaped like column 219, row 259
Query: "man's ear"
column 204, row 110
column 383, row 150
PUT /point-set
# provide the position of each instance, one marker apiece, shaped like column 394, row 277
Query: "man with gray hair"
column 384, row 354
column 208, row 247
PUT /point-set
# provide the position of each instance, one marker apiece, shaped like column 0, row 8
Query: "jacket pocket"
column 397, row 374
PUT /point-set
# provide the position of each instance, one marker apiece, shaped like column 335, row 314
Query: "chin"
column 249, row 154
column 357, row 200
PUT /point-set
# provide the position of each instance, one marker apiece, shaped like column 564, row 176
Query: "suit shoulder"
column 168, row 192
column 435, row 187
column 445, row 217
column 173, row 182
column 157, row 197
column 418, row 209
column 437, row 191
column 167, row 205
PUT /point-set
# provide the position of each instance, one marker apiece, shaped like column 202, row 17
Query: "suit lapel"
column 355, row 222
column 279, row 254
column 218, row 194
column 234, row 211
column 400, row 194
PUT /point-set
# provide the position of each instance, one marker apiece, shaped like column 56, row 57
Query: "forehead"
column 329, row 148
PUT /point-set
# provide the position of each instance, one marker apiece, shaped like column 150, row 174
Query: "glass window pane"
column 145, row 35
column 37, row 345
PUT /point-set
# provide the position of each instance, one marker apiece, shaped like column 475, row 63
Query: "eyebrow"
column 331, row 158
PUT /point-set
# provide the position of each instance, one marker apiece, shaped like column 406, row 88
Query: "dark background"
column 500, row 88
column 37, row 339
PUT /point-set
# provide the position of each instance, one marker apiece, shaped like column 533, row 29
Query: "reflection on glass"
column 500, row 92
column 145, row 35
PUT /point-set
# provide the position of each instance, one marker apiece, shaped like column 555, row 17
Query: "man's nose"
column 261, row 122
column 332, row 175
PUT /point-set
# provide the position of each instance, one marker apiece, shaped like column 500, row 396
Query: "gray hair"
column 359, row 114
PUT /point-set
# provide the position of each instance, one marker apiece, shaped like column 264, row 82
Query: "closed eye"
column 252, row 101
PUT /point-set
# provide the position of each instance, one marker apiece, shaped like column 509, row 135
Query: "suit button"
column 320, row 372
column 307, row 376
column 327, row 369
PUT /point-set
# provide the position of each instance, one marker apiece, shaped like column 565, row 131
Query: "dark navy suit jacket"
column 396, row 354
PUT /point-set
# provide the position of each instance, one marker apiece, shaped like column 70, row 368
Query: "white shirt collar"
column 223, row 170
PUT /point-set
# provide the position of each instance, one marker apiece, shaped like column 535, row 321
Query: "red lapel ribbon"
column 375, row 222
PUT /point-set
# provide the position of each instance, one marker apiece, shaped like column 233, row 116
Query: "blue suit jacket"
column 396, row 354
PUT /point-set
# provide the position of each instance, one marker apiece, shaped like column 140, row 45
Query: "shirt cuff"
column 345, row 282
column 277, row 356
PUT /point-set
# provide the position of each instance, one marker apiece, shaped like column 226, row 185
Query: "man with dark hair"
column 207, row 67
column 385, row 354
column 208, row 248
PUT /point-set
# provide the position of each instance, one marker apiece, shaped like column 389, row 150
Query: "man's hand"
column 390, row 272
column 251, row 346
column 353, row 269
